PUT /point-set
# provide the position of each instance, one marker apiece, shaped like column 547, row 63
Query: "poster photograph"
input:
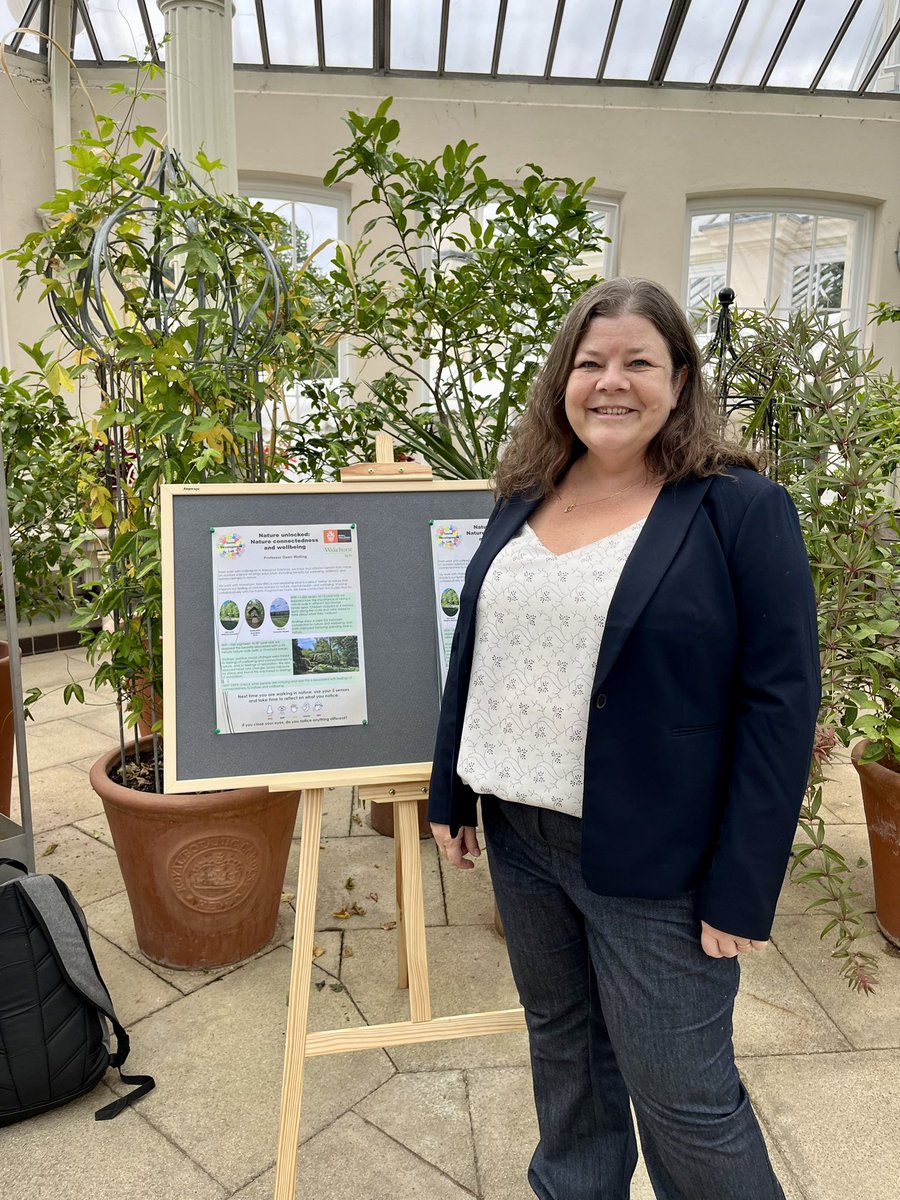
column 453, row 542
column 287, row 627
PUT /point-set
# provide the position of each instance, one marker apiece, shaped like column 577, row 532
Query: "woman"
column 632, row 692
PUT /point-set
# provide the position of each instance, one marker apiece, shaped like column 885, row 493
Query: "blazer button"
column 600, row 701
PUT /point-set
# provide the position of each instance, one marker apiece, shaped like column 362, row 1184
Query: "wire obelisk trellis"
column 170, row 261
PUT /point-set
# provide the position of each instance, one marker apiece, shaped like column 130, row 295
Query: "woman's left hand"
column 724, row 945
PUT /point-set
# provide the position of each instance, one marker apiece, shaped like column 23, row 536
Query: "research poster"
column 452, row 545
column 288, row 627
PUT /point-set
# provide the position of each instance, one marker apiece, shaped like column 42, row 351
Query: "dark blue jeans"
column 621, row 1002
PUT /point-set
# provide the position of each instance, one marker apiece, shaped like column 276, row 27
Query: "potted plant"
column 177, row 311
column 831, row 420
column 41, row 455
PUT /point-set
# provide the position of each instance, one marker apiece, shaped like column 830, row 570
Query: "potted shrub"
column 178, row 312
column 41, row 455
column 833, row 426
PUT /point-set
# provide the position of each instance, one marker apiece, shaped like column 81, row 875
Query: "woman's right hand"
column 456, row 849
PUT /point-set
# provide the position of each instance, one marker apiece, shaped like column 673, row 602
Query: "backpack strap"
column 65, row 928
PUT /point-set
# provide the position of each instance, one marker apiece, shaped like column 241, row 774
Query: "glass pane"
column 526, row 37
column 11, row 18
column 596, row 262
column 119, row 30
column 582, row 34
column 862, row 41
column 291, row 29
column 751, row 244
column 701, row 40
column 636, row 39
column 792, row 257
column 808, row 43
column 348, row 33
column 707, row 264
column 755, row 41
column 415, row 34
column 246, row 46
column 471, row 30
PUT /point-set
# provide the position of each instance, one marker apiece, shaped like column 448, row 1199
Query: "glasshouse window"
column 788, row 258
column 313, row 222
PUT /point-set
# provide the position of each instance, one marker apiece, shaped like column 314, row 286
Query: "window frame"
column 770, row 205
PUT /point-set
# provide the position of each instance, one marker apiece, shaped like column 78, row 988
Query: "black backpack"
column 54, row 1039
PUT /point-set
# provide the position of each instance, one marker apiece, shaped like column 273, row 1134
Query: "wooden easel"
column 412, row 959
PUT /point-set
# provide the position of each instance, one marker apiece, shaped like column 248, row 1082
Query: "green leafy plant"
column 836, row 418
column 450, row 299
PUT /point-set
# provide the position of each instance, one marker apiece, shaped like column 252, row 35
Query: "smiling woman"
column 637, row 623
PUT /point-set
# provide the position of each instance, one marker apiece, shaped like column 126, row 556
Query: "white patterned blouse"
column 539, row 622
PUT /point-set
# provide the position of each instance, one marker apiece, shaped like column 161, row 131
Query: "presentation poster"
column 453, row 542
column 288, row 627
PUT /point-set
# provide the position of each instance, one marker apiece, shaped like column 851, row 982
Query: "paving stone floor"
column 441, row 1122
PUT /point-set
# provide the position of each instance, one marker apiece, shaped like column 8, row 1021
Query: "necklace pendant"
column 568, row 508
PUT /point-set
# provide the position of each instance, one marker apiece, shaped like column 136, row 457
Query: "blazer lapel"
column 654, row 550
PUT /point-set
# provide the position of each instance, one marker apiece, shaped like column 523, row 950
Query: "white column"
column 60, row 74
column 200, row 83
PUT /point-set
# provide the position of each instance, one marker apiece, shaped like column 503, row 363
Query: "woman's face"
column 620, row 390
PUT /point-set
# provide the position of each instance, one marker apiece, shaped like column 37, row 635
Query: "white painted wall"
column 652, row 149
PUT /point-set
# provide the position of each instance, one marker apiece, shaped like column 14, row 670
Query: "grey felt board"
column 398, row 619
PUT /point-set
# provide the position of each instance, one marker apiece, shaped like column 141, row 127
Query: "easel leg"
column 406, row 832
column 298, row 1003
column 402, row 963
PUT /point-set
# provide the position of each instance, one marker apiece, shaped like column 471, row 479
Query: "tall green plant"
column 836, row 418
column 451, row 297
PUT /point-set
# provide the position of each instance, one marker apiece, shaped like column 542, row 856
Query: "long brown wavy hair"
column 543, row 445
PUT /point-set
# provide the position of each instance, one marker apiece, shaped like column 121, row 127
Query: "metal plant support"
column 239, row 276
column 726, row 362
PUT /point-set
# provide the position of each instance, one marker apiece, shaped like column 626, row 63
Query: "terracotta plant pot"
column 381, row 818
column 881, row 799
column 204, row 873
column 7, row 731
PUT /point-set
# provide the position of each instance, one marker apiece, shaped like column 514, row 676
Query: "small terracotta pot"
column 881, row 798
column 204, row 873
column 7, row 731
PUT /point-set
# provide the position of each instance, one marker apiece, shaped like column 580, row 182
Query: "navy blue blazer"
column 703, row 706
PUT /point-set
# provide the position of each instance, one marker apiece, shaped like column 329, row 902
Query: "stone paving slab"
column 468, row 973
column 776, row 1013
column 103, row 718
column 353, row 1160
column 369, row 862
column 89, row 868
column 56, row 742
column 112, row 918
column 469, row 895
column 429, row 1114
column 55, row 670
column 67, row 1155
column 60, row 795
column 53, row 707
column 97, row 827
column 336, row 813
column 136, row 991
column 835, row 1119
column 218, row 1059
column 841, row 794
column 868, row 1022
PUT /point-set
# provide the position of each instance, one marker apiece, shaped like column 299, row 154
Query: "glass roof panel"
column 291, row 30
column 860, row 44
column 808, row 43
column 11, row 14
column 118, row 27
column 245, row 42
column 470, row 35
column 636, row 39
column 415, row 34
column 348, row 33
column 701, row 40
column 887, row 77
column 526, row 37
column 757, row 36
column 582, row 34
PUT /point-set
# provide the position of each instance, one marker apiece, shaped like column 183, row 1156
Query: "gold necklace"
column 581, row 503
